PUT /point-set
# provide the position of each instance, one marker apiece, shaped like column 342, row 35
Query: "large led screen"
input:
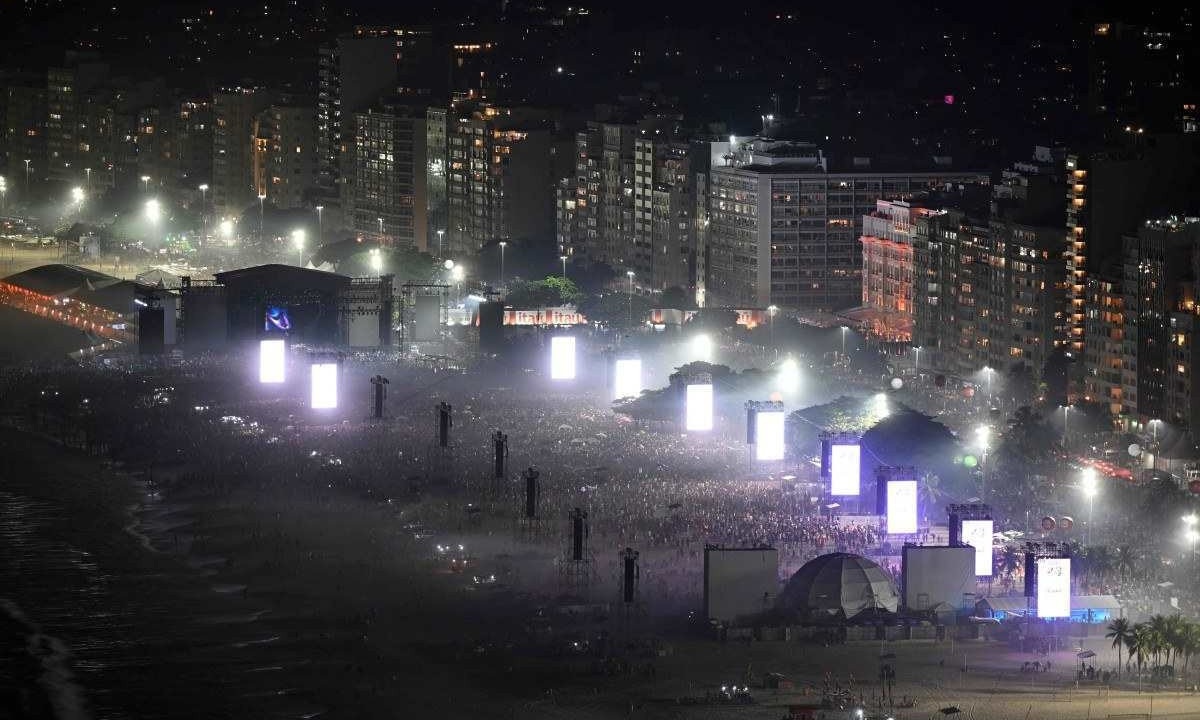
column 978, row 534
column 901, row 507
column 1054, row 587
column 272, row 361
column 324, row 386
column 844, row 469
column 627, row 380
column 768, row 435
column 699, row 410
column 562, row 358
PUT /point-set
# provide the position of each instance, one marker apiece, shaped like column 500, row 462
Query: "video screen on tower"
column 272, row 361
column 1054, row 587
column 324, row 386
column 276, row 320
column 699, row 410
column 901, row 507
column 562, row 358
column 769, row 435
column 978, row 534
column 844, row 470
column 627, row 380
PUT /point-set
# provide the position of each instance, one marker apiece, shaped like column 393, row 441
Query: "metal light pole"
column 503, row 244
column 629, row 318
column 1066, row 420
column 145, row 183
column 441, row 234
column 27, row 170
column 320, row 225
column 564, row 264
column 88, row 172
column 261, row 198
column 917, row 362
column 771, row 310
column 1090, row 487
column 204, row 208
column 844, row 329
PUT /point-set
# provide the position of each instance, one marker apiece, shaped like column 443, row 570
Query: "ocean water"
column 98, row 622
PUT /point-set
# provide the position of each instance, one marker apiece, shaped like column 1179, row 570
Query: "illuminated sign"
column 272, row 361
column 562, row 358
column 699, row 413
column 1054, row 587
column 545, row 316
column 768, row 435
column 324, row 386
column 627, row 381
column 901, row 507
column 978, row 534
column 844, row 469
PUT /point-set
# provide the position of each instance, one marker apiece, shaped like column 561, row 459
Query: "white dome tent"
column 839, row 585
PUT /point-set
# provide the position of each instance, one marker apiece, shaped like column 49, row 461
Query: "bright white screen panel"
column 699, row 408
column 901, row 507
column 324, row 386
column 628, row 381
column 562, row 358
column 978, row 534
column 1054, row 587
column 272, row 361
column 844, row 469
column 768, row 435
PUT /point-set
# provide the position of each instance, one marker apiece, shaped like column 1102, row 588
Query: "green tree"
column 617, row 310
column 549, row 292
column 677, row 298
column 1119, row 631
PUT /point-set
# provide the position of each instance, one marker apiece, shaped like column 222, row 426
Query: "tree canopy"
column 549, row 292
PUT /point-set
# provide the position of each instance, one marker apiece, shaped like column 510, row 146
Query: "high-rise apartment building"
column 887, row 267
column 390, row 168
column 234, row 112
column 436, row 199
column 1159, row 293
column 24, row 132
column 785, row 225
column 663, row 254
column 284, row 162
column 355, row 71
column 1107, row 367
column 67, row 88
column 500, row 177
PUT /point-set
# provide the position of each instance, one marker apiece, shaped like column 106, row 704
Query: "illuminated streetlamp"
column 564, row 264
column 503, row 245
column 771, row 310
column 203, row 208
column 261, row 199
column 153, row 211
column 629, row 313
column 145, row 183
column 320, row 225
column 298, row 241
column 376, row 261
column 226, row 230
column 440, row 234
column 917, row 361
column 1090, row 485
column 844, row 329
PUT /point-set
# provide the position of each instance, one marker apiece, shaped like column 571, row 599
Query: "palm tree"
column 1102, row 562
column 1126, row 561
column 1138, row 644
column 1010, row 560
column 1119, row 631
column 932, row 491
column 1160, row 627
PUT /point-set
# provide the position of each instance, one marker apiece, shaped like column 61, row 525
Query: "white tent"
column 840, row 584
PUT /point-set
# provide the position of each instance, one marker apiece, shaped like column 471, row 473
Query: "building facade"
column 784, row 226
column 234, row 114
column 887, row 267
column 390, row 176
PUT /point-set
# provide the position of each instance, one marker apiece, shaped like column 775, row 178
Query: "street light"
column 145, row 183
column 203, row 209
column 564, row 264
column 380, row 221
column 503, row 244
column 771, row 310
column 27, row 171
column 917, row 361
column 1066, row 420
column 77, row 195
column 153, row 210
column 226, row 230
column 88, row 173
column 1190, row 533
column 320, row 225
column 629, row 314
column 376, row 261
column 3, row 193
column 1090, row 485
column 844, row 329
column 261, row 198
column 988, row 371
column 441, row 234
column 298, row 241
